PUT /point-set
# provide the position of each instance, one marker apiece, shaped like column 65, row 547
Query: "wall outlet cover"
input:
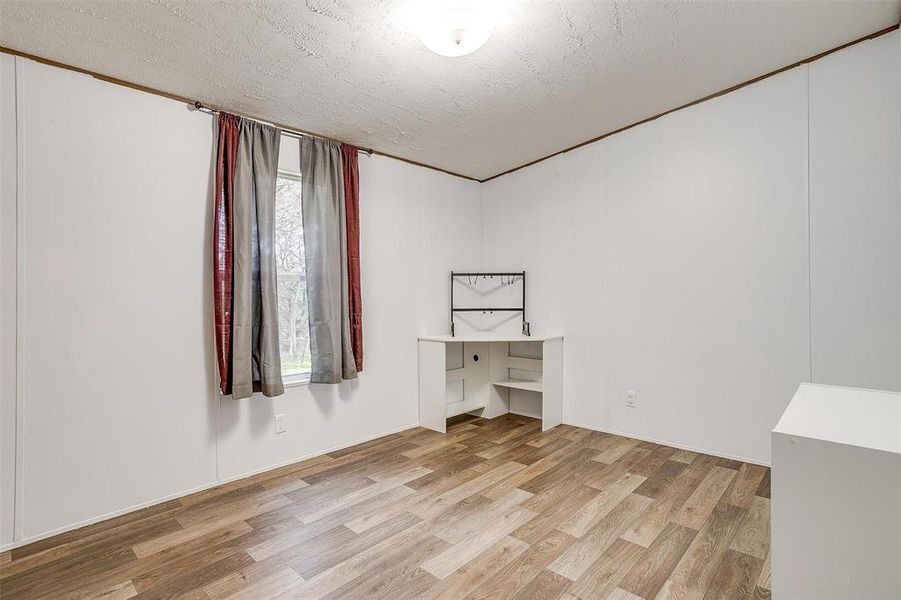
column 631, row 398
column 280, row 423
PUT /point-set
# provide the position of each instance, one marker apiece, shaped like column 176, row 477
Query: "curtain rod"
column 200, row 107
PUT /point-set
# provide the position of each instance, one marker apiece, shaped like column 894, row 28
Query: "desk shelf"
column 521, row 384
column 464, row 406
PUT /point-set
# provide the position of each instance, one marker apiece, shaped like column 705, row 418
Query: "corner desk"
column 480, row 373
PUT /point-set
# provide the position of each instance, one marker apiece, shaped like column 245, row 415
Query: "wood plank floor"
column 492, row 509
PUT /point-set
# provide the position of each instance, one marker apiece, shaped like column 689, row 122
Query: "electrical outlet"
column 280, row 423
column 631, row 399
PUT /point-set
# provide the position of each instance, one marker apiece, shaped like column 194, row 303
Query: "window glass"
column 293, row 326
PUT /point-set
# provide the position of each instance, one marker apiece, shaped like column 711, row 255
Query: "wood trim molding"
column 176, row 97
column 190, row 102
column 811, row 59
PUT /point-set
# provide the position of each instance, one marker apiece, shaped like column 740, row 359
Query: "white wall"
column 120, row 402
column 116, row 377
column 7, row 297
column 674, row 256
column 855, row 214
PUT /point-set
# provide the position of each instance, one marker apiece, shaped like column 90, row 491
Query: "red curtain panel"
column 226, row 154
column 352, row 211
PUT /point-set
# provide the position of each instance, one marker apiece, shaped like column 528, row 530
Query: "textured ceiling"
column 555, row 73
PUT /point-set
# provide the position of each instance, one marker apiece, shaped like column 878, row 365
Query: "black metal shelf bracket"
column 526, row 327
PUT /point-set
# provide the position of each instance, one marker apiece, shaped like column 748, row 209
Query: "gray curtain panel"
column 256, row 363
column 325, row 243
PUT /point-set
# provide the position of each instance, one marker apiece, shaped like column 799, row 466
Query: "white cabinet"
column 836, row 495
column 493, row 366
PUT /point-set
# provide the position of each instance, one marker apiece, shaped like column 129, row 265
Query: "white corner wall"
column 675, row 256
column 119, row 401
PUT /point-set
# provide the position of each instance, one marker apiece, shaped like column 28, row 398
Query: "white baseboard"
column 188, row 492
column 671, row 444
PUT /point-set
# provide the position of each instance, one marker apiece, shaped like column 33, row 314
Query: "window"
column 293, row 325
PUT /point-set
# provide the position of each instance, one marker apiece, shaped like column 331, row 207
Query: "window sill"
column 296, row 380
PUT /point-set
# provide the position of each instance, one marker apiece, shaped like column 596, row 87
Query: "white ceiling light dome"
column 453, row 27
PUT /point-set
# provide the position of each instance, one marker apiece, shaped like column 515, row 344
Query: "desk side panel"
column 432, row 385
column 552, row 396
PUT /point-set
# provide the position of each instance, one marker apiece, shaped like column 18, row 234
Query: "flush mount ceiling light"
column 453, row 27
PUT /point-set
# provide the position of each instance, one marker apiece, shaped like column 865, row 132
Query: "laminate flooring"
column 492, row 509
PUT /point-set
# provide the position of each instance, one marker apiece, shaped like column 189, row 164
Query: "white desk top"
column 863, row 418
column 489, row 336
